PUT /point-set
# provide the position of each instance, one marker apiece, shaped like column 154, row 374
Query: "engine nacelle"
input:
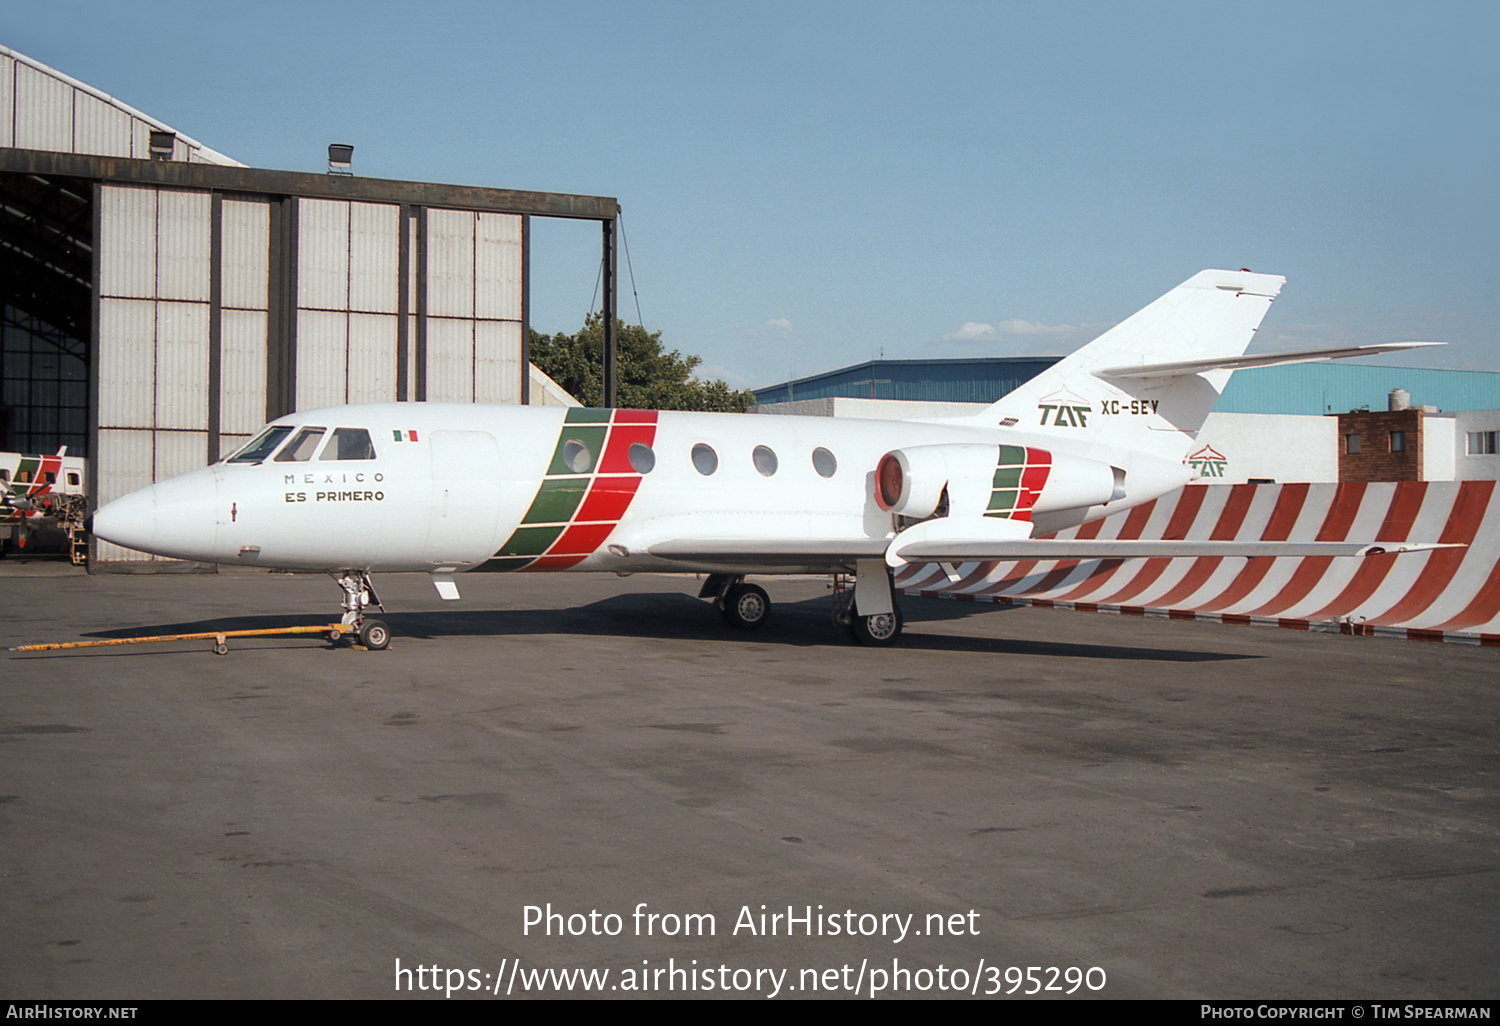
column 910, row 482
column 1076, row 482
column 991, row 480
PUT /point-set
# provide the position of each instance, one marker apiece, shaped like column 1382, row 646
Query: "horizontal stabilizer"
column 939, row 551
column 1182, row 367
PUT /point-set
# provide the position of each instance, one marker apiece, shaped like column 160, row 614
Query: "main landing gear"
column 747, row 606
column 359, row 593
column 876, row 630
column 742, row 605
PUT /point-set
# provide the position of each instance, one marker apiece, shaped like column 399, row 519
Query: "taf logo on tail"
column 1063, row 408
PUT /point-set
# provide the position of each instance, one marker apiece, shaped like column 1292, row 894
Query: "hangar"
column 162, row 301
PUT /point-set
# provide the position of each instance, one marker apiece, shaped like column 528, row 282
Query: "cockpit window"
column 300, row 449
column 263, row 446
column 349, row 444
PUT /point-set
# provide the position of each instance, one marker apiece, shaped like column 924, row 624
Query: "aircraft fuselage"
column 443, row 488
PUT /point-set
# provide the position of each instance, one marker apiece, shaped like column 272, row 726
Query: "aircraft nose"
column 170, row 518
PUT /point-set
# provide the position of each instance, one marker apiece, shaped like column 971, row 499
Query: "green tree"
column 648, row 377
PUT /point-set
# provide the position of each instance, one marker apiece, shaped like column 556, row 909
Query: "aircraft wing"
column 941, row 550
column 759, row 554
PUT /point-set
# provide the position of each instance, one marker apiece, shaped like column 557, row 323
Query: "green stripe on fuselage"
column 590, row 435
column 530, row 541
column 557, row 500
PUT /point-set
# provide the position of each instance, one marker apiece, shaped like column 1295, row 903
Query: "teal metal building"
column 1305, row 388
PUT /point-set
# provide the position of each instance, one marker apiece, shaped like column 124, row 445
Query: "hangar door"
column 219, row 311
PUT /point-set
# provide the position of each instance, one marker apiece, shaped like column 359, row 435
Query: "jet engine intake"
column 910, row 482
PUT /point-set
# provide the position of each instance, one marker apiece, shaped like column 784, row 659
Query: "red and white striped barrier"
column 1444, row 594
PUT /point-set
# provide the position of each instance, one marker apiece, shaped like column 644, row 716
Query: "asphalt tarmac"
column 1134, row 807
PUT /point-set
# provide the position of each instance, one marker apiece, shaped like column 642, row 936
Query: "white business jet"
column 445, row 488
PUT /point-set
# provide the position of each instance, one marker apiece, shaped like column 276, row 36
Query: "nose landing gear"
column 359, row 593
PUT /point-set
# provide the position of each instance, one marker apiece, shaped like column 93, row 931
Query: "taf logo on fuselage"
column 1207, row 463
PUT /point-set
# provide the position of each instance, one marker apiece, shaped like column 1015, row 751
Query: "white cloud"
column 1016, row 326
column 972, row 331
column 779, row 324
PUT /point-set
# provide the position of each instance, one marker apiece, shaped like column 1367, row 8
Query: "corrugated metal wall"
column 160, row 350
column 153, row 339
column 347, row 291
column 43, row 109
column 244, row 320
column 473, row 307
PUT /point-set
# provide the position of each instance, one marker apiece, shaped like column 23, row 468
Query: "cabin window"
column 49, row 478
column 705, row 459
column 577, row 456
column 301, row 448
column 765, row 460
column 824, row 463
column 72, row 479
column 642, row 458
column 263, row 446
column 4, row 477
column 349, row 444
column 23, row 477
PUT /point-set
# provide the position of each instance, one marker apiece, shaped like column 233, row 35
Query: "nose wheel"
column 359, row 594
column 374, row 635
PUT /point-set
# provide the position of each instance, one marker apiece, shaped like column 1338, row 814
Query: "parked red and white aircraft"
column 443, row 488
column 38, row 492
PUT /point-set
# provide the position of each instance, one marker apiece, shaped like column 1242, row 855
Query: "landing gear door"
column 464, row 497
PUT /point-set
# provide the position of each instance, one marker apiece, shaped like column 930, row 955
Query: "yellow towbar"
column 335, row 631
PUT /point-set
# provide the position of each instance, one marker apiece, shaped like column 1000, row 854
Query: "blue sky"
column 808, row 185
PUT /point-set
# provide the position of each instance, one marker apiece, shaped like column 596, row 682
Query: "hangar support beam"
column 316, row 186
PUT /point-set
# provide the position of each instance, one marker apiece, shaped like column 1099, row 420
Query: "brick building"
column 1380, row 445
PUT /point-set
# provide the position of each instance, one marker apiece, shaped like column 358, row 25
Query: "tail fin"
column 1211, row 316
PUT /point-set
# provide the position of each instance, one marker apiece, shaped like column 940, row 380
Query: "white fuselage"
column 443, row 488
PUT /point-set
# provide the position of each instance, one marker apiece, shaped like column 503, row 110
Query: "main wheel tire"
column 879, row 630
column 374, row 635
column 746, row 606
